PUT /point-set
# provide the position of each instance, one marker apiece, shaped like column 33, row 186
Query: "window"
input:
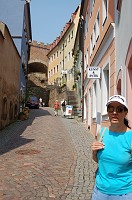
column 97, row 27
column 62, row 47
column 85, row 62
column 86, row 25
column 91, row 7
column 105, row 9
column 69, row 56
column 49, row 74
column 57, row 68
column 57, row 53
column 94, row 2
column 69, row 38
column 94, row 36
column 65, row 43
column 91, row 45
column 54, row 70
column 119, row 5
column 63, row 64
column 71, row 34
column 87, row 58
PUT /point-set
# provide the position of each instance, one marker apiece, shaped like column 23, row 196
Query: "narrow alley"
column 47, row 158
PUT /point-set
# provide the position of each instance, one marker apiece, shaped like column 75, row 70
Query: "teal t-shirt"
column 114, row 174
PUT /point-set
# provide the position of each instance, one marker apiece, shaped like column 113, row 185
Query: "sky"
column 48, row 17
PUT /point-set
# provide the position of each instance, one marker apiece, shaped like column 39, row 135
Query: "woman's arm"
column 94, row 156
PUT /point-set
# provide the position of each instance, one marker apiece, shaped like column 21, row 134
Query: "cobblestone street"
column 46, row 158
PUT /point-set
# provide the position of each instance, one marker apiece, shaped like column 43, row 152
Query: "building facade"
column 124, row 51
column 78, row 65
column 107, row 46
column 99, row 51
column 61, row 61
column 16, row 15
column 9, row 77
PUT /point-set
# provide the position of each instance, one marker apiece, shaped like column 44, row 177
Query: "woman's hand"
column 97, row 145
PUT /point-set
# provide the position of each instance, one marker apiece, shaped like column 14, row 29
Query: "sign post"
column 94, row 73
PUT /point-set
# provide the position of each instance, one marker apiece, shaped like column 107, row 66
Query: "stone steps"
column 73, row 100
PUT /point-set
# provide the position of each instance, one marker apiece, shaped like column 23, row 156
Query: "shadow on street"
column 11, row 136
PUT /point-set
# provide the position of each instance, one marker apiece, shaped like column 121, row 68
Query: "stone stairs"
column 72, row 99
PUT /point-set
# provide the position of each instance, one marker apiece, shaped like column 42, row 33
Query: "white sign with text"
column 93, row 72
column 69, row 109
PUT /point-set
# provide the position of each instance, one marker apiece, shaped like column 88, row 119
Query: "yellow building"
column 61, row 61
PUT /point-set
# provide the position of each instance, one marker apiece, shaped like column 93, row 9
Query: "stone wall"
column 38, row 69
column 38, row 52
column 56, row 93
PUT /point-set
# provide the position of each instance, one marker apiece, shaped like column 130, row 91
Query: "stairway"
column 72, row 99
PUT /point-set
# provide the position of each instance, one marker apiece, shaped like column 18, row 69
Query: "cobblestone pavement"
column 46, row 158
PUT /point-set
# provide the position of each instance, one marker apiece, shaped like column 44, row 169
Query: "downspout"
column 81, row 42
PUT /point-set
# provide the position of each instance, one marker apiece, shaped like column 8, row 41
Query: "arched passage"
column 37, row 71
column 37, row 65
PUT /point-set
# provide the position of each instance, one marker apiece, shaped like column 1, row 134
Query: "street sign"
column 69, row 110
column 64, row 71
column 93, row 72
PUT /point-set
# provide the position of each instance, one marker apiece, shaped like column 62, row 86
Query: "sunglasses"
column 118, row 109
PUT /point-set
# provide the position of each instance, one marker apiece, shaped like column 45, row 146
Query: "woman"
column 56, row 107
column 113, row 152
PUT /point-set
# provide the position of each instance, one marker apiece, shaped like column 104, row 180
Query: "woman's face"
column 116, row 113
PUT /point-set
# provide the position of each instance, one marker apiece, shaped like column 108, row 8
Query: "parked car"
column 32, row 102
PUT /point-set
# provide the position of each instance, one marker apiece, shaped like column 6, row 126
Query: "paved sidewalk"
column 46, row 158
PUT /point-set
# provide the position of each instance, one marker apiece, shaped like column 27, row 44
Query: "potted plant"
column 26, row 112
column 22, row 116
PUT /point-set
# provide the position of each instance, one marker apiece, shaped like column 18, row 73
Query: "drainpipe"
column 81, row 43
column 65, row 75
